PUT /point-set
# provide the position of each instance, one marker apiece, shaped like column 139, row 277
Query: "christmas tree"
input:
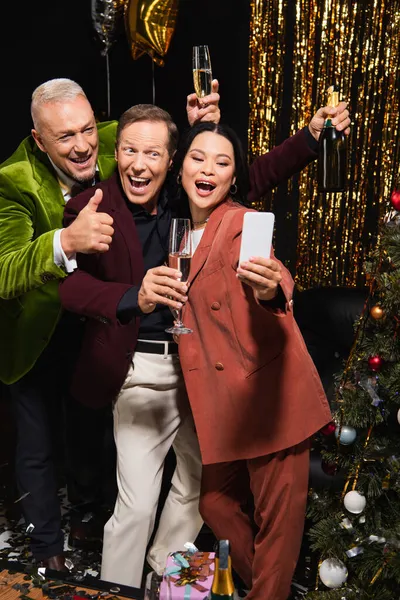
column 356, row 531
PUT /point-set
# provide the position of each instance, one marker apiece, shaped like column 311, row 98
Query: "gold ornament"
column 386, row 482
column 150, row 25
column 377, row 312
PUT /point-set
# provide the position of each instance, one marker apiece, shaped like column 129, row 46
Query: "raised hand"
column 90, row 232
column 339, row 115
column 204, row 109
column 261, row 274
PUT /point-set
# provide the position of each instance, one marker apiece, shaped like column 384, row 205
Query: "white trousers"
column 151, row 413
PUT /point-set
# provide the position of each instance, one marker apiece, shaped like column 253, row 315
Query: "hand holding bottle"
column 332, row 148
column 340, row 119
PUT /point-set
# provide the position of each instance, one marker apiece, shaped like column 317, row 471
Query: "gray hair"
column 54, row 90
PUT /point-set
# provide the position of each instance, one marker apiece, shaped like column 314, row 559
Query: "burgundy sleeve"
column 278, row 165
column 86, row 295
column 82, row 292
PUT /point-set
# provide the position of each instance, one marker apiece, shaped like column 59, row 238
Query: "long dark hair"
column 180, row 200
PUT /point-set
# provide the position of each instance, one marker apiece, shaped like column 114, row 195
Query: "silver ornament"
column 346, row 435
column 354, row 502
column 333, row 573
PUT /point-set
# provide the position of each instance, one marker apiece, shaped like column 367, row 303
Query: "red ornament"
column 328, row 429
column 375, row 363
column 395, row 199
column 329, row 468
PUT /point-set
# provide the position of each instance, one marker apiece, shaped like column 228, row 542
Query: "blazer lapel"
column 49, row 192
column 203, row 249
column 106, row 164
column 123, row 220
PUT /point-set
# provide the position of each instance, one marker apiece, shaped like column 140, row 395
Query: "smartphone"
column 257, row 232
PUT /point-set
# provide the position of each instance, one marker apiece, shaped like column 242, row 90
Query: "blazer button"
column 219, row 366
column 46, row 277
column 215, row 306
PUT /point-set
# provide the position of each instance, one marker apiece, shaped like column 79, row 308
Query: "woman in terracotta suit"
column 255, row 394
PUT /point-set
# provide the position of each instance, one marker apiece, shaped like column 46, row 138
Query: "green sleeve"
column 25, row 263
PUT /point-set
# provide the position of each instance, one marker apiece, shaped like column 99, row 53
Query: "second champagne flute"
column 202, row 75
column 179, row 257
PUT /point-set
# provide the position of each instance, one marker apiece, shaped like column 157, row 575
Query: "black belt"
column 158, row 348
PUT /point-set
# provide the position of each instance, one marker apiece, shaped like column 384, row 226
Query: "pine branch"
column 367, row 543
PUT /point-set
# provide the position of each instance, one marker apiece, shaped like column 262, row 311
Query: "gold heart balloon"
column 150, row 25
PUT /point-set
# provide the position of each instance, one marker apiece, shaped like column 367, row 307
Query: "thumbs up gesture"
column 94, row 201
column 90, row 232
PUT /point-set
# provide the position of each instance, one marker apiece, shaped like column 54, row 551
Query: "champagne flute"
column 179, row 257
column 202, row 75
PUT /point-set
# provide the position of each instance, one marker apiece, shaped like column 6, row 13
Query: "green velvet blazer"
column 31, row 210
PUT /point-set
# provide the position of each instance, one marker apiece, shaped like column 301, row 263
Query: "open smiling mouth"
column 139, row 183
column 205, row 186
column 81, row 160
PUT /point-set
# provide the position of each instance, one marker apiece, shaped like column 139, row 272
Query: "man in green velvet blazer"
column 37, row 342
column 31, row 210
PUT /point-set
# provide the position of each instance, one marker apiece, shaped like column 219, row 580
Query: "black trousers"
column 53, row 429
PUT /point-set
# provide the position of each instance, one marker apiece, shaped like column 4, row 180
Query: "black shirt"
column 153, row 232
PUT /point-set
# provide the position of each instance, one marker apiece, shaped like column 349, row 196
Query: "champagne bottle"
column 331, row 153
column 222, row 587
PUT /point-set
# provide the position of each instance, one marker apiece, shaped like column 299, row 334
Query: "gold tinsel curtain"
column 355, row 45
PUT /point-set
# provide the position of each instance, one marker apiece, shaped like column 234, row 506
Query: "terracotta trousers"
column 264, row 549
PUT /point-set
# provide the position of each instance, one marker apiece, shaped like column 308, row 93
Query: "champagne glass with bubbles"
column 179, row 257
column 202, row 75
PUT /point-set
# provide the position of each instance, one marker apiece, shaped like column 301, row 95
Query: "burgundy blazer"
column 280, row 163
column 94, row 291
column 251, row 382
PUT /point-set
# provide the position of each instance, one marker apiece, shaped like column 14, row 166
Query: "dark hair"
column 241, row 166
column 152, row 113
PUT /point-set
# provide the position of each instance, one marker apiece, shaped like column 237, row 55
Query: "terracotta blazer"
column 252, row 385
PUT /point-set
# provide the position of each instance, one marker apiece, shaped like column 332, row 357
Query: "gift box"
column 187, row 576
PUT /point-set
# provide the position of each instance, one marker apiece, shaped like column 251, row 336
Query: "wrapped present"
column 187, row 576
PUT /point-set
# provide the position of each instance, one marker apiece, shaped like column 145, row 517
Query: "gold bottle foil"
column 333, row 97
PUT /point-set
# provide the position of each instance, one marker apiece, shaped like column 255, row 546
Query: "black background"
column 53, row 38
